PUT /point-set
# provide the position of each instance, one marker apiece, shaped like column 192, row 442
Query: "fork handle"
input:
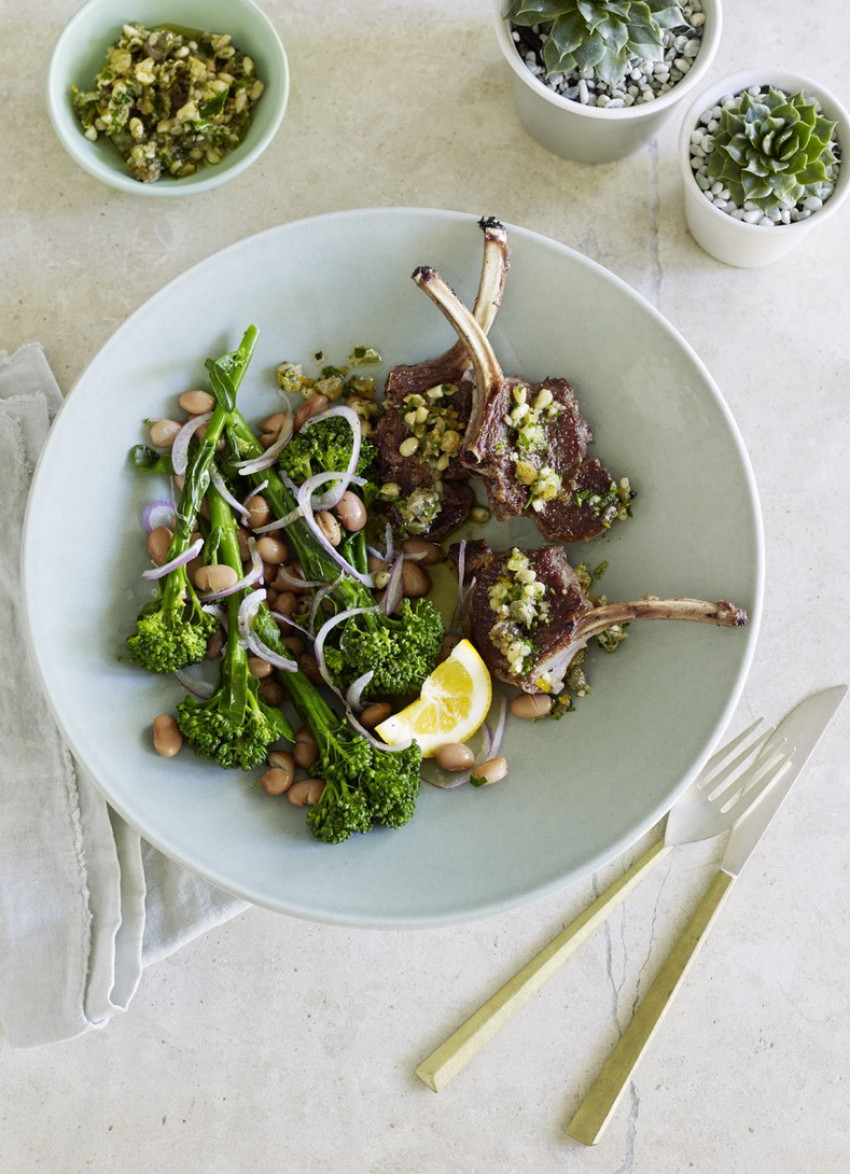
column 466, row 1042
column 598, row 1106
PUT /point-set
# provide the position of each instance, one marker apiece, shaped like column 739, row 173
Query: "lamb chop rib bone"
column 549, row 478
column 572, row 618
column 416, row 475
column 471, row 339
column 491, row 284
column 721, row 614
column 454, row 364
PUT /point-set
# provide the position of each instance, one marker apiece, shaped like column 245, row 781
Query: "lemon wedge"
column 454, row 701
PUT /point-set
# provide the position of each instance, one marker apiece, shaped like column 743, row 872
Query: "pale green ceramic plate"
column 580, row 790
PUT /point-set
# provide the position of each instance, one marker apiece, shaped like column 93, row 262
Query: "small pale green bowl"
column 81, row 50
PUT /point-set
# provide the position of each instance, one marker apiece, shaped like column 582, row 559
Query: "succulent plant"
column 597, row 34
column 771, row 149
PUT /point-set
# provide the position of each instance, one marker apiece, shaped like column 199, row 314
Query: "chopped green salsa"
column 170, row 100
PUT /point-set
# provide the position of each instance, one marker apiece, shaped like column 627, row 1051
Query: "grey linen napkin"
column 85, row 902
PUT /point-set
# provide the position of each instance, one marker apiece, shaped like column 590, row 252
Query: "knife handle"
column 598, row 1106
column 466, row 1042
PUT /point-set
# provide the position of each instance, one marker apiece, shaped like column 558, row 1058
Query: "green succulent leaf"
column 529, row 12
column 665, row 14
column 612, row 66
column 566, row 36
column 772, row 149
column 812, row 173
column 598, row 34
column 643, row 44
column 615, row 33
column 592, row 11
column 591, row 52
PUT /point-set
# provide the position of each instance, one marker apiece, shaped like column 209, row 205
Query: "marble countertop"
column 273, row 1044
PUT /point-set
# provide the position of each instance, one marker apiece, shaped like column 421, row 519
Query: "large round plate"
column 581, row 789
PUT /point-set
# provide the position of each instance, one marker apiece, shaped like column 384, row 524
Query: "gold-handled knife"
column 802, row 728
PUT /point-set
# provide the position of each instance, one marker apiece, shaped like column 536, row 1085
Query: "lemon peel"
column 453, row 703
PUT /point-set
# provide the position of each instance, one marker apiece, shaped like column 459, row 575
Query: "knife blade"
column 802, row 728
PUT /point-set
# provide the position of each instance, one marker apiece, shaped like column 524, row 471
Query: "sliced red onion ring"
column 461, row 572
column 499, row 732
column 180, row 447
column 247, row 611
column 280, row 523
column 200, row 689
column 220, row 614
column 332, row 498
column 158, row 513
column 255, row 489
column 446, row 781
column 293, row 581
column 221, row 485
column 256, row 645
column 323, row 592
column 290, row 622
column 491, row 741
column 253, row 576
column 322, row 635
column 327, row 500
column 258, row 464
column 384, row 555
column 354, row 692
column 318, row 649
column 394, row 591
column 486, row 746
column 180, row 561
column 304, row 500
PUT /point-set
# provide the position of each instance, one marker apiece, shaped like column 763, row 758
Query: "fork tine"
column 718, row 798
column 724, row 778
column 761, row 779
column 724, row 751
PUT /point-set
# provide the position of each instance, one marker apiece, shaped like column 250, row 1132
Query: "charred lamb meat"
column 528, row 615
column 425, row 412
column 527, row 442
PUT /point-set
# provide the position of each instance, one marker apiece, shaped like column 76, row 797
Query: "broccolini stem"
column 315, row 562
column 312, row 708
column 226, row 374
column 222, row 546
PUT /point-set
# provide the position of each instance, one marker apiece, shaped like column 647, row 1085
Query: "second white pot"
column 732, row 241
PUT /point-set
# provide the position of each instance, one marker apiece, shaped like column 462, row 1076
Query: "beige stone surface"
column 274, row 1045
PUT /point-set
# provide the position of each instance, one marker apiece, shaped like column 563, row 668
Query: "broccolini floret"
column 234, row 727
column 402, row 649
column 325, row 446
column 172, row 630
column 363, row 785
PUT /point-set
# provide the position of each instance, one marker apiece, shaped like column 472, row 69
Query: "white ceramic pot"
column 733, row 241
column 591, row 134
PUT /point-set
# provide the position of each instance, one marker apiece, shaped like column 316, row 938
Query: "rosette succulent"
column 772, row 150
column 604, row 36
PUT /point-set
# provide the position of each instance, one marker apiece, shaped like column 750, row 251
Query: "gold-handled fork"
column 721, row 793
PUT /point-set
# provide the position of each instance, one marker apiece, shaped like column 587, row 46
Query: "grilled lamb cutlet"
column 430, row 402
column 528, row 616
column 527, row 442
